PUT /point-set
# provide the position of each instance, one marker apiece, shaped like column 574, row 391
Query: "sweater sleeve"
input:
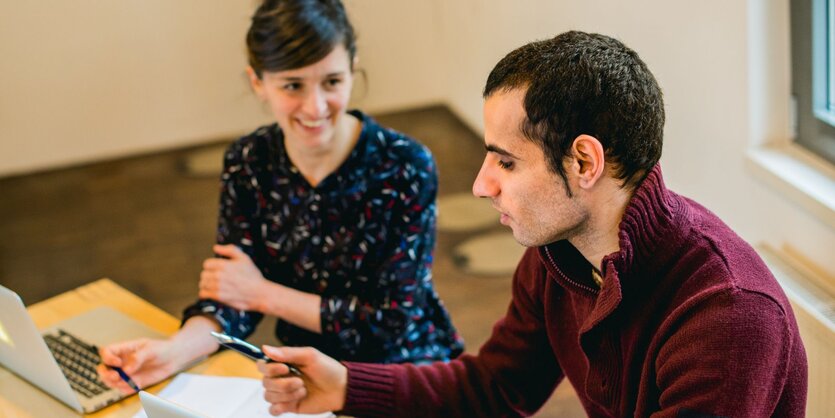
column 238, row 202
column 727, row 356
column 381, row 318
column 513, row 374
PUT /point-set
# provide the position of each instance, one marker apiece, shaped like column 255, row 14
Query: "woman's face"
column 309, row 102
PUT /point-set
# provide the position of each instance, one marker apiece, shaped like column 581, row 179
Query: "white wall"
column 399, row 44
column 88, row 79
column 85, row 80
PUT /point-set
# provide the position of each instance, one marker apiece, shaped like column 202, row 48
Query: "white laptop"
column 35, row 356
column 156, row 407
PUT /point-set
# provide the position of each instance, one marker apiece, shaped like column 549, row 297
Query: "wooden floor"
column 147, row 223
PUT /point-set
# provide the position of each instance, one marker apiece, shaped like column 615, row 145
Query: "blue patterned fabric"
column 362, row 239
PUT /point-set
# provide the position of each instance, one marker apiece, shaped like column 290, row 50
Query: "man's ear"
column 590, row 160
column 255, row 82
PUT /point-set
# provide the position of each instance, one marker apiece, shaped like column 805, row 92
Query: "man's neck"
column 600, row 236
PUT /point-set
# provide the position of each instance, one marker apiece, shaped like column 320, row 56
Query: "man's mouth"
column 503, row 217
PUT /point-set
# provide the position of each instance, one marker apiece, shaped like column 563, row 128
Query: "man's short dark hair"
column 585, row 83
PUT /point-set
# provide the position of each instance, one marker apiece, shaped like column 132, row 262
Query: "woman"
column 327, row 219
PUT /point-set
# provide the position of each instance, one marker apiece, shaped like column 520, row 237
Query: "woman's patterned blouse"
column 362, row 239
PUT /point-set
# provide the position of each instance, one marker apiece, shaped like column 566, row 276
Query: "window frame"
column 813, row 78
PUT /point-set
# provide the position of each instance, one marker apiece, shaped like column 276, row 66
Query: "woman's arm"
column 294, row 306
column 237, row 205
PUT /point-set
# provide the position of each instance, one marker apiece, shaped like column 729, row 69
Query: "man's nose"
column 485, row 184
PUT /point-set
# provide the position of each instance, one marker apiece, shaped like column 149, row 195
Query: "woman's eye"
column 292, row 86
column 507, row 165
column 333, row 82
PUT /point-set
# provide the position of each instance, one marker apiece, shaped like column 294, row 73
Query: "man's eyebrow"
column 500, row 151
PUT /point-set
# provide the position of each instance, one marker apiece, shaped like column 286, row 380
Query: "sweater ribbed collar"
column 649, row 235
column 649, row 232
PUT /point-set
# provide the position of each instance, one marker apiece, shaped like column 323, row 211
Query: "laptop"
column 156, row 407
column 61, row 360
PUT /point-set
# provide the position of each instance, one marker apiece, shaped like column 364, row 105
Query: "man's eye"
column 507, row 165
column 333, row 82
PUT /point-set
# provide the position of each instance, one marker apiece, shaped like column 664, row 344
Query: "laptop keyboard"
column 78, row 361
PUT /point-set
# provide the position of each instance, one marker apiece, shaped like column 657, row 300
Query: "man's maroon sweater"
column 689, row 322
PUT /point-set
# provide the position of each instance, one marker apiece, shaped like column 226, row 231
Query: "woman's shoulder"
column 390, row 144
column 253, row 146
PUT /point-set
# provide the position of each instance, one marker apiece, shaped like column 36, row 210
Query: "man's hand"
column 234, row 280
column 321, row 389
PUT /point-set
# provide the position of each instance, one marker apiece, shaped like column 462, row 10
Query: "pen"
column 121, row 372
column 125, row 377
column 249, row 350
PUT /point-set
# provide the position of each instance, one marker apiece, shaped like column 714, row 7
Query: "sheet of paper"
column 257, row 407
column 221, row 397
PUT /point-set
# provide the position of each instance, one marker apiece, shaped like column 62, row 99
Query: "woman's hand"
column 234, row 281
column 149, row 361
column 321, row 389
column 146, row 361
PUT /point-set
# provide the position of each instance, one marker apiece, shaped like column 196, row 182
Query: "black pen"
column 249, row 350
column 126, row 378
column 121, row 372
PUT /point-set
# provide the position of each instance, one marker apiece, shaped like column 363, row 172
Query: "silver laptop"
column 156, row 407
column 61, row 361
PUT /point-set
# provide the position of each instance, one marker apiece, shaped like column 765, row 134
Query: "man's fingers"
column 280, row 408
column 299, row 356
column 284, row 397
column 274, row 369
column 282, row 384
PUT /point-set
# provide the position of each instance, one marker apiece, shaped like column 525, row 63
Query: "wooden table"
column 22, row 400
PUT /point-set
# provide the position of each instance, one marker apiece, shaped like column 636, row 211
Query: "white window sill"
column 804, row 284
column 799, row 175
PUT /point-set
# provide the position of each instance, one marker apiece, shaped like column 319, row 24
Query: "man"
column 644, row 300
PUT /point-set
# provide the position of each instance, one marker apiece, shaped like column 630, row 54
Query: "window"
column 813, row 74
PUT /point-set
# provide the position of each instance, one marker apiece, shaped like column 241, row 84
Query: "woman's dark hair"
column 290, row 34
column 585, row 83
